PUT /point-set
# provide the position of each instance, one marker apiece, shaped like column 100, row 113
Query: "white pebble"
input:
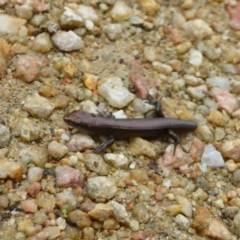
column 115, row 93
column 113, row 31
column 121, row 11
column 212, row 157
column 65, row 137
column 87, row 13
column 119, row 114
column 196, row 57
column 89, row 25
column 35, row 174
column 221, row 82
column 67, row 41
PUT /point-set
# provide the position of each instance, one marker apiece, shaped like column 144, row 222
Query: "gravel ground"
column 110, row 56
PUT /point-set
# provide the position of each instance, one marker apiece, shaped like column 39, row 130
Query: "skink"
column 125, row 128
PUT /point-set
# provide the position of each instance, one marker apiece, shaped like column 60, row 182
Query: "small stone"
column 101, row 188
column 212, row 157
column 33, row 189
column 182, row 221
column 231, row 165
column 4, row 201
column 121, row 11
column 183, row 47
column 10, row 169
column 46, row 201
column 216, row 118
column 225, row 100
column 139, row 175
column 10, row 24
column 67, row 176
column 142, row 106
column 231, row 149
column 199, row 194
column 140, row 212
column 38, row 106
column 210, row 226
column 28, row 130
column 52, row 231
column 186, row 206
column 101, row 212
column 28, row 227
column 28, row 68
column 80, row 142
column 69, row 19
column 198, row 92
column 149, row 6
column 24, row 11
column 139, row 146
column 34, row 154
column 80, row 218
column 95, row 163
column 204, row 133
column 42, row 43
column 66, row 200
column 162, row 68
column 221, row 82
column 111, row 224
column 119, row 212
column 113, row 31
column 116, row 160
column 150, row 53
column 35, row 174
column 196, row 57
column 219, row 203
column 115, row 93
column 57, row 150
column 90, row 80
column 29, row 206
column 5, row 136
column 87, row 13
column 197, row 29
column 67, row 41
column 236, row 220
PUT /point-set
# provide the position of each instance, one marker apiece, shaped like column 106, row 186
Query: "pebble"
column 57, row 150
column 231, row 165
column 195, row 58
column 87, row 13
column 113, row 31
column 210, row 226
column 42, row 43
column 162, row 68
column 67, row 41
column 67, row 176
column 230, row 149
column 204, row 133
column 139, row 146
column 33, row 154
column 216, row 118
column 38, row 106
column 80, row 218
column 139, row 175
column 116, row 160
column 183, row 48
column 236, row 220
column 33, row 189
column 121, row 11
column 111, row 224
column 149, row 6
column 150, row 53
column 28, row 68
column 46, row 200
column 4, row 201
column 11, row 24
column 101, row 188
column 35, row 174
column 198, row 92
column 101, row 212
column 115, row 93
column 26, row 226
column 197, row 29
column 70, row 20
column 225, row 100
column 24, row 11
column 5, row 136
column 211, row 157
column 95, row 163
column 221, row 82
column 140, row 212
column 80, row 142
column 90, row 80
column 10, row 169
column 28, row 130
column 142, row 106
column 65, row 199
column 29, row 205
column 119, row 212
column 182, row 221
column 52, row 231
